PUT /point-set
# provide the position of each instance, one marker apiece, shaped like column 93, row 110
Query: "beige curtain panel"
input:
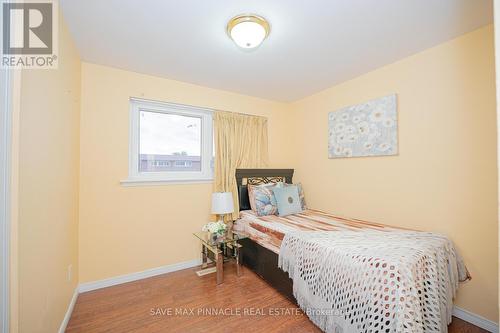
column 240, row 142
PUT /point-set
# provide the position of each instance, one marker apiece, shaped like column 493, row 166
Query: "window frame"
column 135, row 177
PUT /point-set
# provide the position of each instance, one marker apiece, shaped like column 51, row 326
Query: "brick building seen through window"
column 175, row 162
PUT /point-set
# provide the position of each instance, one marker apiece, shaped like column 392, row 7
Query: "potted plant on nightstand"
column 217, row 230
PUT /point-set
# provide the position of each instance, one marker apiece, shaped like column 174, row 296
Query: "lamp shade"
column 222, row 203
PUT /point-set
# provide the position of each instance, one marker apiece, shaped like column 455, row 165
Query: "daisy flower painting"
column 366, row 129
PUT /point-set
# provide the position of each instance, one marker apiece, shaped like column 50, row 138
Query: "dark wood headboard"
column 243, row 174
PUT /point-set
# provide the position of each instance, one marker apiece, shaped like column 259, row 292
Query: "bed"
column 261, row 251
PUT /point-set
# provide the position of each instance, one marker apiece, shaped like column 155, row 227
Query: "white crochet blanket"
column 373, row 281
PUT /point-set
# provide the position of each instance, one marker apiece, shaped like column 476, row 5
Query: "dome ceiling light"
column 248, row 31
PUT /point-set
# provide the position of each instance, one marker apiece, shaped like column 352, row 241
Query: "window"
column 169, row 143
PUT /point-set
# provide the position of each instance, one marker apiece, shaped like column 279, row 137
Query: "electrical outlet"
column 70, row 272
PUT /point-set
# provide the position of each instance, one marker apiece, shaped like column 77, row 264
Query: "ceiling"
column 313, row 44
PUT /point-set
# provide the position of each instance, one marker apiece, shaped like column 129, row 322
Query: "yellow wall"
column 129, row 229
column 444, row 178
column 47, row 191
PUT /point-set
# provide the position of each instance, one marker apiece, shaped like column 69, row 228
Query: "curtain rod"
column 191, row 106
column 241, row 113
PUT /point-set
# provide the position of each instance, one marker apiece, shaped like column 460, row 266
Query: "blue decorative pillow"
column 287, row 199
column 262, row 199
column 301, row 193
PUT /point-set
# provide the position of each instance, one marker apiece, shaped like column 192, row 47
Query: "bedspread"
column 373, row 281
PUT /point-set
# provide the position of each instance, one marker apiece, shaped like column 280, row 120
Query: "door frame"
column 6, row 84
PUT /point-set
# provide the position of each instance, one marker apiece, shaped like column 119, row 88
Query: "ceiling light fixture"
column 248, row 31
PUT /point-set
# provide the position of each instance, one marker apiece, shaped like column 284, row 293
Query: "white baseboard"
column 69, row 311
column 475, row 319
column 88, row 286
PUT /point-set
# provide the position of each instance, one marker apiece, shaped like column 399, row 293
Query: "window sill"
column 150, row 182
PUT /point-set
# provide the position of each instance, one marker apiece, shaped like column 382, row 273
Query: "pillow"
column 301, row 194
column 287, row 200
column 262, row 200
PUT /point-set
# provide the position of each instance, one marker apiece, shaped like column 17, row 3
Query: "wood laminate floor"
column 183, row 302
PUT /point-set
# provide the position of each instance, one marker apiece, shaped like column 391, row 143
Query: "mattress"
column 268, row 231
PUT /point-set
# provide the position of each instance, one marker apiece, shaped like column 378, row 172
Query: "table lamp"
column 222, row 203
